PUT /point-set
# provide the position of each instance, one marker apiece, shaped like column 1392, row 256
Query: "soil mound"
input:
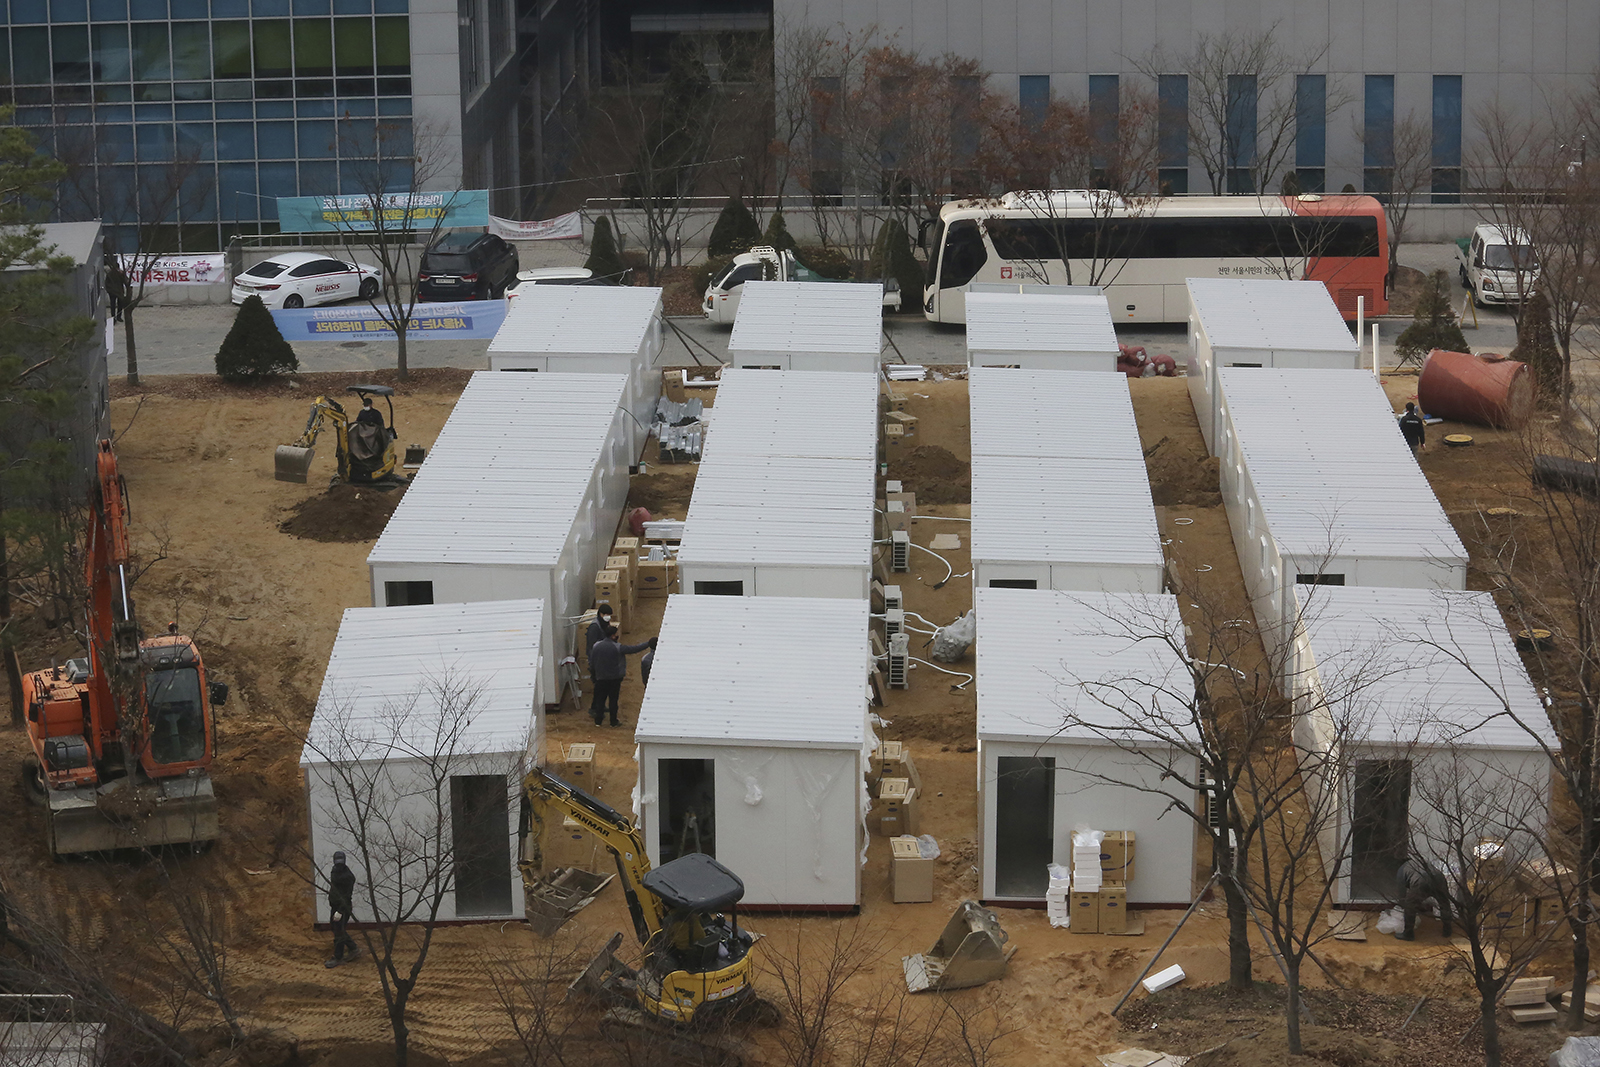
column 1178, row 477
column 935, row 475
column 664, row 491
column 344, row 513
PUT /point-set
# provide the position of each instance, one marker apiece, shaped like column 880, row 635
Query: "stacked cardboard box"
column 892, row 759
column 1529, row 1000
column 895, row 812
column 578, row 766
column 907, row 423
column 658, row 575
column 1100, row 873
column 1057, row 896
column 1116, row 857
column 608, row 589
column 912, row 875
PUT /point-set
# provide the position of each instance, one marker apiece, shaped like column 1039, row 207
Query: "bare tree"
column 1407, row 152
column 1242, row 104
column 394, row 215
column 383, row 788
column 188, row 926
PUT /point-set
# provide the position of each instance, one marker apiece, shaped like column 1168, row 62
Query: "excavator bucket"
column 971, row 951
column 291, row 464
column 551, row 901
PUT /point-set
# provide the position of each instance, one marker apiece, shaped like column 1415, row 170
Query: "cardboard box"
column 907, row 500
column 896, row 809
column 895, row 516
column 673, row 385
column 894, row 437
column 897, row 401
column 1085, row 913
column 620, row 565
column 608, row 589
column 911, row 876
column 629, row 546
column 1116, row 857
column 578, row 766
column 892, row 759
column 568, row 845
column 657, row 577
column 907, row 423
column 1112, row 909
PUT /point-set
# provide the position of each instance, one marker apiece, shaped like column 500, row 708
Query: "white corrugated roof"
column 1422, row 665
column 809, row 317
column 1044, row 656
column 784, row 672
column 1332, row 471
column 392, row 667
column 506, row 476
column 1052, row 413
column 1029, row 322
column 1063, row 511
column 597, row 319
column 1270, row 313
column 820, row 414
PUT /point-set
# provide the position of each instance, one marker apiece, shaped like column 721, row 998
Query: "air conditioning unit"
column 892, row 487
column 892, row 598
column 1215, row 820
column 894, row 621
column 900, row 661
column 894, row 514
column 900, row 552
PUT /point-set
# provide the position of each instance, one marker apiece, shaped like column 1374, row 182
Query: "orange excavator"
column 122, row 739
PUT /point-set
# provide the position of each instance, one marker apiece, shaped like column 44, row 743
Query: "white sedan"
column 299, row 279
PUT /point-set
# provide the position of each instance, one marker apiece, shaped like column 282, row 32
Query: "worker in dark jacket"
column 341, row 899
column 1413, row 428
column 1420, row 881
column 608, row 662
column 648, row 662
column 597, row 630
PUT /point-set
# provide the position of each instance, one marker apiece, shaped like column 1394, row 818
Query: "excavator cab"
column 364, row 443
column 696, row 936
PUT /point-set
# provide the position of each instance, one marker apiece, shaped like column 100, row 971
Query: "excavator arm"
column 293, row 461
column 547, row 798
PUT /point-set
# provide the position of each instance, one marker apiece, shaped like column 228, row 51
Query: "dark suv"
column 467, row 266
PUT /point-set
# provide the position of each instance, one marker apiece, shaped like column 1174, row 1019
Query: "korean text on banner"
column 400, row 211
column 175, row 270
column 478, row 320
column 561, row 228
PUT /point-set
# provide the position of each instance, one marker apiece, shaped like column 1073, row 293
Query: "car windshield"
column 444, row 263
column 267, row 269
column 721, row 279
column 176, row 715
column 1509, row 257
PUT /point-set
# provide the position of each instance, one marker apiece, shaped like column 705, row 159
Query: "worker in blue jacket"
column 608, row 663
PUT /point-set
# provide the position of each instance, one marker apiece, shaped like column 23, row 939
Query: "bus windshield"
column 176, row 715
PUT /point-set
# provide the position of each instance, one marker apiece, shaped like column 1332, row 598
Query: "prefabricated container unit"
column 1040, row 332
column 589, row 329
column 808, row 326
column 519, row 498
column 1060, row 493
column 753, row 741
column 1320, row 488
column 1059, row 674
column 1427, row 689
column 1236, row 322
column 816, row 415
column 429, row 717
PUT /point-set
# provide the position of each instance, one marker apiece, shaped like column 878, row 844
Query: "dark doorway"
column 402, row 594
column 1025, row 825
column 1013, row 583
column 481, row 839
column 719, row 588
column 688, row 789
column 1319, row 579
column 1379, row 827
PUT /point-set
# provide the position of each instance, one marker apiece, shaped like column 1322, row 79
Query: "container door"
column 1025, row 825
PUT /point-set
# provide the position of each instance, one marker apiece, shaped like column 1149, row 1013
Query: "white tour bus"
column 1146, row 251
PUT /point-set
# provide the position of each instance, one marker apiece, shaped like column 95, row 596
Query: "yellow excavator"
column 694, row 979
column 364, row 445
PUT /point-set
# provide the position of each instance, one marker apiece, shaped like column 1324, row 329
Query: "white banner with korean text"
column 561, row 228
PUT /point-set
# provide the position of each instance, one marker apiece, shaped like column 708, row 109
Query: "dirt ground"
column 265, row 606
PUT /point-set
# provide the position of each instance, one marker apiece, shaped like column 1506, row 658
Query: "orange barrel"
column 1489, row 389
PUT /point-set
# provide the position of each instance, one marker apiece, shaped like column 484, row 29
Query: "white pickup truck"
column 765, row 263
column 1495, row 268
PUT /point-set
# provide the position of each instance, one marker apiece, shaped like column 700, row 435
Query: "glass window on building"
column 30, row 49
column 1033, row 98
column 1377, row 134
column 1104, row 92
column 313, row 57
column 274, row 57
column 69, row 55
column 110, row 58
column 1446, row 138
column 392, row 47
column 1311, row 132
column 1239, row 133
column 1172, row 133
column 191, row 51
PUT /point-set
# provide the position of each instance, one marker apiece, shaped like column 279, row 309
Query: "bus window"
column 964, row 254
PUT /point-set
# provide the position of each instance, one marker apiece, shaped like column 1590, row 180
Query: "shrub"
column 892, row 258
column 604, row 260
column 828, row 262
column 1433, row 323
column 777, row 234
column 736, row 230
column 1536, row 346
column 254, row 348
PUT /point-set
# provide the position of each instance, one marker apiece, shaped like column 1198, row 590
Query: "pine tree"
column 736, row 230
column 254, row 348
column 892, row 258
column 604, row 260
column 777, row 234
column 1536, row 346
column 1433, row 322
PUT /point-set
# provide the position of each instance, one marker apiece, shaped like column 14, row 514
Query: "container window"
column 719, row 588
column 1319, row 579
column 404, row 594
column 1013, row 583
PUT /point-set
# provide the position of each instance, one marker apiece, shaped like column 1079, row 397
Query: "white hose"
column 949, row 571
column 935, row 666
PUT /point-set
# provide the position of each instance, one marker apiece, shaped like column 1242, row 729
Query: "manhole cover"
column 352, row 344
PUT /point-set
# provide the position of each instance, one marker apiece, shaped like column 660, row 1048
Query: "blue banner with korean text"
column 477, row 320
column 358, row 212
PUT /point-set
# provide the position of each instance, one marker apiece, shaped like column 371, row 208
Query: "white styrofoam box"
column 1164, row 979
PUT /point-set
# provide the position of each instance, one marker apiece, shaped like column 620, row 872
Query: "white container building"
column 1039, row 331
column 818, row 415
column 1236, row 322
column 428, row 719
column 519, row 498
column 1060, row 493
column 591, row 329
column 753, row 740
column 1425, row 679
column 1041, row 655
column 1320, row 488
column 808, row 326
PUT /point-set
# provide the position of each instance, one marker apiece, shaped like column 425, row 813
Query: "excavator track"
column 630, row 1025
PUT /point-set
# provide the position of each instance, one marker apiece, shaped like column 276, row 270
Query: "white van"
column 1495, row 267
